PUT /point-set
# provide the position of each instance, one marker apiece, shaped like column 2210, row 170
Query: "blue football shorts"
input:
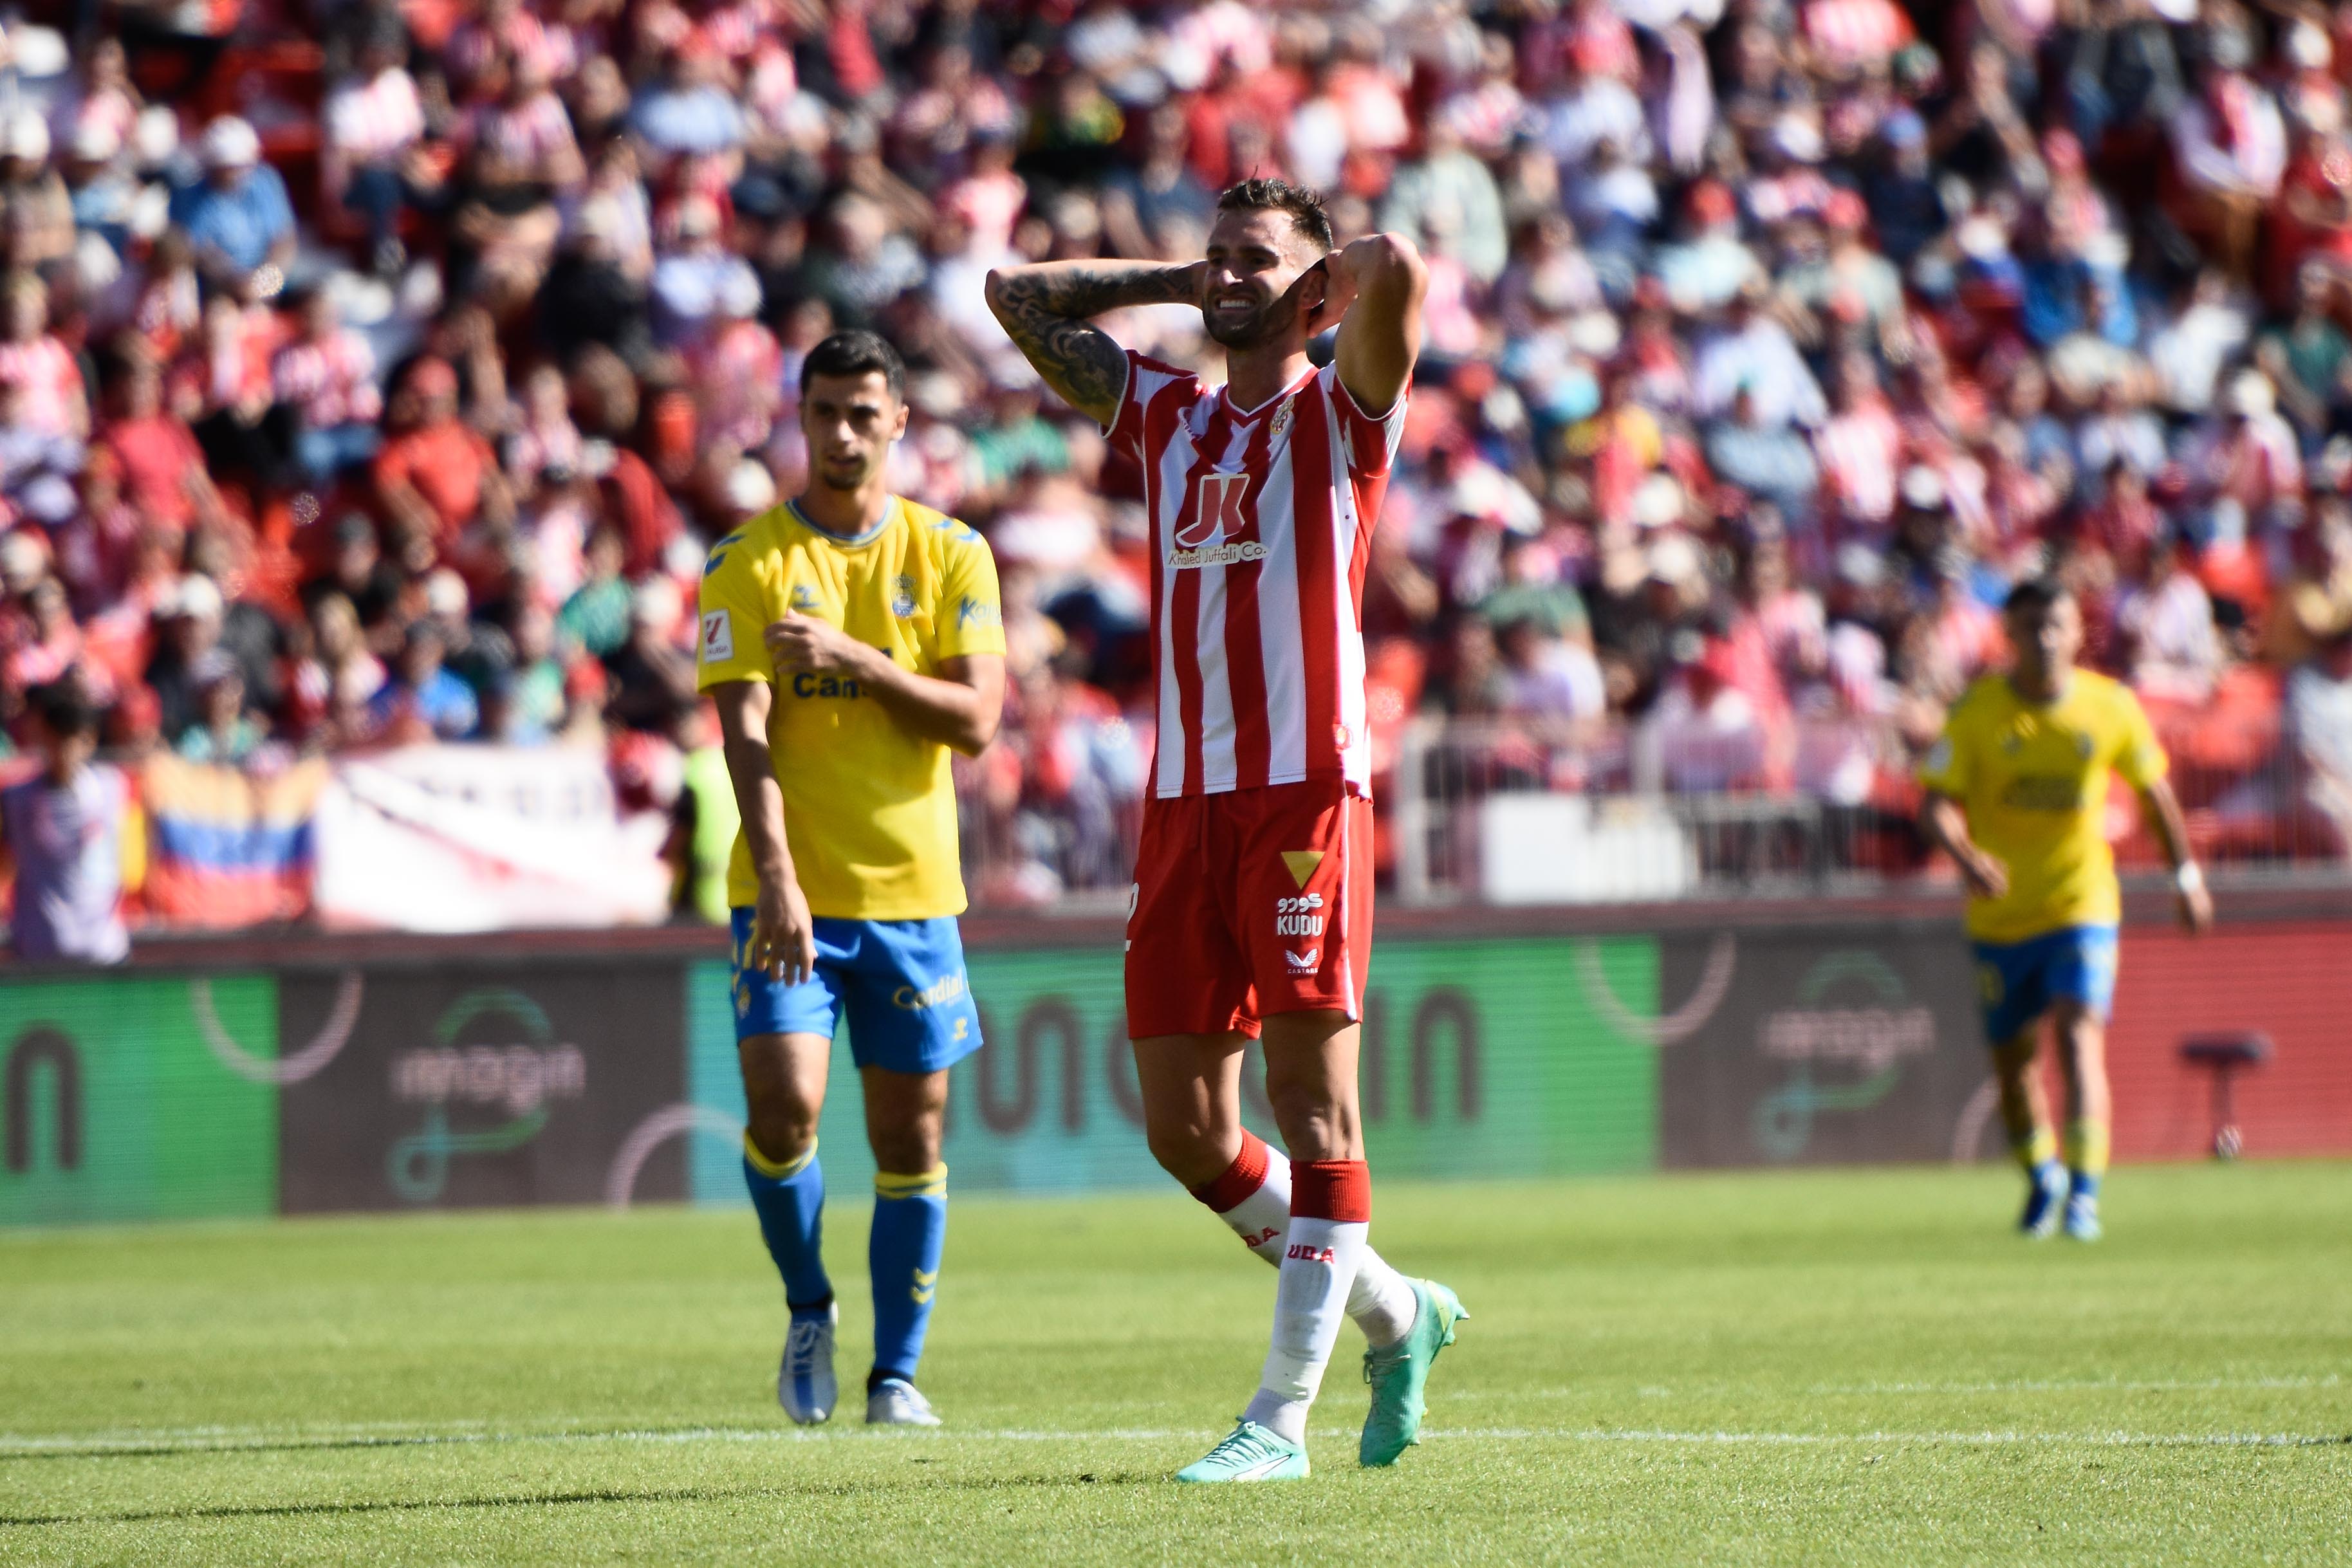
column 901, row 982
column 2017, row 982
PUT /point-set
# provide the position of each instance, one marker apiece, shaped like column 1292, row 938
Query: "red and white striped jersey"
column 1261, row 526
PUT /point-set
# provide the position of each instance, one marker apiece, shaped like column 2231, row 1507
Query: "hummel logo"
column 1302, row 963
column 1306, row 1253
column 925, row 1286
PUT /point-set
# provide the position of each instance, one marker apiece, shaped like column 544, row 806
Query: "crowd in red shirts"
column 378, row 372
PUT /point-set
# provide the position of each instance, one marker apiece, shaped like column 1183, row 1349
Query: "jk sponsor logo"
column 1213, row 537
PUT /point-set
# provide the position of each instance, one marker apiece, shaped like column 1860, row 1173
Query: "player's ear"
column 1315, row 287
column 1308, row 291
column 898, row 427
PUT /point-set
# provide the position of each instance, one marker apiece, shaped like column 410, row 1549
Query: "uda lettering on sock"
column 1331, row 1216
column 1253, row 1198
column 1249, row 1198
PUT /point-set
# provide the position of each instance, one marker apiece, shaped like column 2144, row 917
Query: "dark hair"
column 2036, row 595
column 1304, row 206
column 64, row 709
column 856, row 352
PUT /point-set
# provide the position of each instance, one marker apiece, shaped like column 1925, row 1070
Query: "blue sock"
column 790, row 1200
column 911, row 1227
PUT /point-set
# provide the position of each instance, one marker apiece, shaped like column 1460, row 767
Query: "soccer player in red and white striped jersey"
column 1253, row 907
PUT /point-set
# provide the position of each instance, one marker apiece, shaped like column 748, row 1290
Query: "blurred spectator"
column 435, row 473
column 73, row 840
column 2319, row 737
column 327, row 373
column 237, row 213
column 222, row 731
column 375, row 126
column 422, row 700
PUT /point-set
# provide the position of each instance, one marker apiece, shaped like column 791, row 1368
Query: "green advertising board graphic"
column 119, row 1106
column 1480, row 1059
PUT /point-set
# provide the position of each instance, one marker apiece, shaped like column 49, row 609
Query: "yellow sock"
column 2086, row 1147
column 770, row 1169
column 2034, row 1150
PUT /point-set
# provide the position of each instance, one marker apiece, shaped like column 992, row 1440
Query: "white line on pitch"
column 2083, row 1385
column 1859, row 1390
column 233, row 1440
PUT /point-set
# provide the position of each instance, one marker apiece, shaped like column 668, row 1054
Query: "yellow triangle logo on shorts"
column 1302, row 863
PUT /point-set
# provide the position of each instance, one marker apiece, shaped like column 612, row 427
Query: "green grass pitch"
column 1821, row 1367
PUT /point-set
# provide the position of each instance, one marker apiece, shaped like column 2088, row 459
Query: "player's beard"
column 1259, row 328
column 846, row 474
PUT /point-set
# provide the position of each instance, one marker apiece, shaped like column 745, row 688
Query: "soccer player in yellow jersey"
column 2017, row 793
column 851, row 639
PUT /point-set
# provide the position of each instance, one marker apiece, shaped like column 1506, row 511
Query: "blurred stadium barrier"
column 227, row 1078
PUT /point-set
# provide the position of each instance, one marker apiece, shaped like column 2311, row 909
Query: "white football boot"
column 805, row 1382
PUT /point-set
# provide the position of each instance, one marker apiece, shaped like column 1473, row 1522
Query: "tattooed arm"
column 1047, row 310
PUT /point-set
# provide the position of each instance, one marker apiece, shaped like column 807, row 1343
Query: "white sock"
column 1380, row 1300
column 1318, row 1265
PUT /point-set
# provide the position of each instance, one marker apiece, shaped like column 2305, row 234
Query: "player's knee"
column 782, row 1126
column 2081, row 1038
column 905, row 1150
column 1318, row 1122
column 1187, row 1149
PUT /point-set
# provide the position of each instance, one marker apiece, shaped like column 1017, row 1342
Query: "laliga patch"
column 718, row 637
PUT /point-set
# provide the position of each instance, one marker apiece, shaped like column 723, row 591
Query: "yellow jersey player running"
column 851, row 639
column 2017, row 793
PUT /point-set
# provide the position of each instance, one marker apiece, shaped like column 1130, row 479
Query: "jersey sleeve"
column 972, row 613
column 1147, row 378
column 1370, row 444
column 1948, row 764
column 729, row 644
column 2140, row 757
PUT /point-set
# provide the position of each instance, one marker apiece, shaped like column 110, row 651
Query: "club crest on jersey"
column 804, row 598
column 1212, row 537
column 1281, row 421
column 902, row 596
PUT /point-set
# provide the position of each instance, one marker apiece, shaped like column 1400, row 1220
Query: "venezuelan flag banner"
column 227, row 847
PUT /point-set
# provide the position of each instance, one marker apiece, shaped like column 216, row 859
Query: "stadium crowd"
column 371, row 373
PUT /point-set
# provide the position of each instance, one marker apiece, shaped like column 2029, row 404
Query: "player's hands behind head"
column 1338, row 284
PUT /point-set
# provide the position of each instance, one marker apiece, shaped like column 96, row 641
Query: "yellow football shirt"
column 2032, row 778
column 869, row 808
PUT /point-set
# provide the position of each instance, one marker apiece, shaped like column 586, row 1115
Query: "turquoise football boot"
column 1249, row 1454
column 1399, row 1373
